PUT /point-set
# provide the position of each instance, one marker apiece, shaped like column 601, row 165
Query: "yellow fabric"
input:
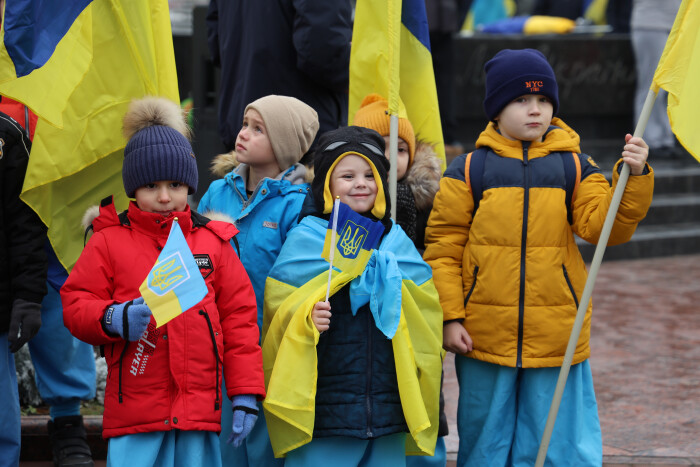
column 379, row 208
column 114, row 52
column 387, row 59
column 547, row 25
column 456, row 245
column 290, row 361
column 677, row 73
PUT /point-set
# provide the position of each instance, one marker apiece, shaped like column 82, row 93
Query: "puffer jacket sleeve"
column 446, row 238
column 329, row 23
column 235, row 300
column 594, row 196
column 87, row 293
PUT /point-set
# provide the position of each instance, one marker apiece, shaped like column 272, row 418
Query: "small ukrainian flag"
column 175, row 284
column 356, row 237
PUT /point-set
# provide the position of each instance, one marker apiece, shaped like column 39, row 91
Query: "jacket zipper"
column 121, row 359
column 217, row 402
column 571, row 287
column 369, row 374
column 471, row 289
column 523, row 251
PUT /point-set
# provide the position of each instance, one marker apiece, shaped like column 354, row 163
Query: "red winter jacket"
column 170, row 378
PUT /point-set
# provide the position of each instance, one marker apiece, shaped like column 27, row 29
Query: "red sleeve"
column 235, row 300
column 87, row 293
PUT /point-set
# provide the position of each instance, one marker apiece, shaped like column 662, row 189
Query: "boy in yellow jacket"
column 509, row 274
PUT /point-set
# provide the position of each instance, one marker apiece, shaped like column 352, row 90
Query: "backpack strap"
column 474, row 175
column 572, row 173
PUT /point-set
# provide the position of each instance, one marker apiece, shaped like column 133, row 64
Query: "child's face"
column 353, row 180
column 526, row 118
column 253, row 145
column 162, row 197
column 402, row 157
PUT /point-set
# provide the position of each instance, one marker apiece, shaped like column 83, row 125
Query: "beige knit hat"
column 291, row 126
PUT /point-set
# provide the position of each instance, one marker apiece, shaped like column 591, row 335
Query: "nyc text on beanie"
column 513, row 73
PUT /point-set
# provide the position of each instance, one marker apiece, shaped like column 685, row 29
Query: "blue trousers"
column 343, row 451
column 64, row 366
column 256, row 450
column 173, row 448
column 502, row 413
column 10, row 425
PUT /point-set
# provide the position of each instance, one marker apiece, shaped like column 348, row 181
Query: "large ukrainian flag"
column 297, row 281
column 390, row 56
column 678, row 72
column 77, row 64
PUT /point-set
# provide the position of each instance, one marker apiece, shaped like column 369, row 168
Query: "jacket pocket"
column 471, row 289
column 570, row 285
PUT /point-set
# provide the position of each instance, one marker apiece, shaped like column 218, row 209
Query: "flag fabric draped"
column 678, row 71
column 356, row 237
column 390, row 56
column 174, row 284
column 296, row 282
column 77, row 65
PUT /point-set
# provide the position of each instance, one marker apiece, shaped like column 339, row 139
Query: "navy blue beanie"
column 158, row 153
column 513, row 73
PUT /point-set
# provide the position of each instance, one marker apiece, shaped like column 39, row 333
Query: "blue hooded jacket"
column 264, row 219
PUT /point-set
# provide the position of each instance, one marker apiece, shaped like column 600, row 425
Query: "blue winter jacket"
column 264, row 219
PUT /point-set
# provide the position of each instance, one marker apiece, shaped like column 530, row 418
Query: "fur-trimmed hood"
column 424, row 176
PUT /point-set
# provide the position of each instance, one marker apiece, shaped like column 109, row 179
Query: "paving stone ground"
column 645, row 342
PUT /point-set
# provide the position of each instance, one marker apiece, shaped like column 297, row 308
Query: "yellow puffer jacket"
column 514, row 275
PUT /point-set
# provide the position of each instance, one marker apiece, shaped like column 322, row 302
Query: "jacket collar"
column 559, row 137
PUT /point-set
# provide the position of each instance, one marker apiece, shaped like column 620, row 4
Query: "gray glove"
column 25, row 322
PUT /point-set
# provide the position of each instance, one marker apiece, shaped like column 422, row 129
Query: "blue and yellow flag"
column 77, row 64
column 390, row 56
column 356, row 237
column 175, row 284
column 677, row 73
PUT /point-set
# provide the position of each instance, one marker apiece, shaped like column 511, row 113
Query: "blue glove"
column 129, row 319
column 245, row 413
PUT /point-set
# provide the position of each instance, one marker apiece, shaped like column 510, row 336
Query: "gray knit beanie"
column 291, row 126
column 158, row 147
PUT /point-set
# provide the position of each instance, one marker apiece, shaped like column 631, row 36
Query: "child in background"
column 510, row 274
column 263, row 195
column 418, row 174
column 347, row 358
column 417, row 170
column 163, row 393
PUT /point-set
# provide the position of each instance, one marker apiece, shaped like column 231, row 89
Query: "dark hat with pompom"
column 158, row 145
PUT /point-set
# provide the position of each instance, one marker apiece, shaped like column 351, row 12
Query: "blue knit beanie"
column 157, row 149
column 513, row 73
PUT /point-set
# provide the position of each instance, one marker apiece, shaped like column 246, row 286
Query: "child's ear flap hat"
column 513, row 73
column 291, row 126
column 158, row 146
column 373, row 114
column 336, row 144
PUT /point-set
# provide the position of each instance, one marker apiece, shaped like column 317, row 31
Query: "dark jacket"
column 22, row 234
column 357, row 392
column 298, row 48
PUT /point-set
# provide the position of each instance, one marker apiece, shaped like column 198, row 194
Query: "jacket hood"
column 424, row 175
column 559, row 137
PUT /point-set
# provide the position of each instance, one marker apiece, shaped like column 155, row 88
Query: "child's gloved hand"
column 245, row 413
column 25, row 321
column 129, row 319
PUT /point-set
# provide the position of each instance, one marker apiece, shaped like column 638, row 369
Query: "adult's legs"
column 10, row 421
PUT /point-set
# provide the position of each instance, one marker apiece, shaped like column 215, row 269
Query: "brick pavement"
column 645, row 342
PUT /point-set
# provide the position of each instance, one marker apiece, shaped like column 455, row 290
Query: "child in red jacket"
column 162, row 399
